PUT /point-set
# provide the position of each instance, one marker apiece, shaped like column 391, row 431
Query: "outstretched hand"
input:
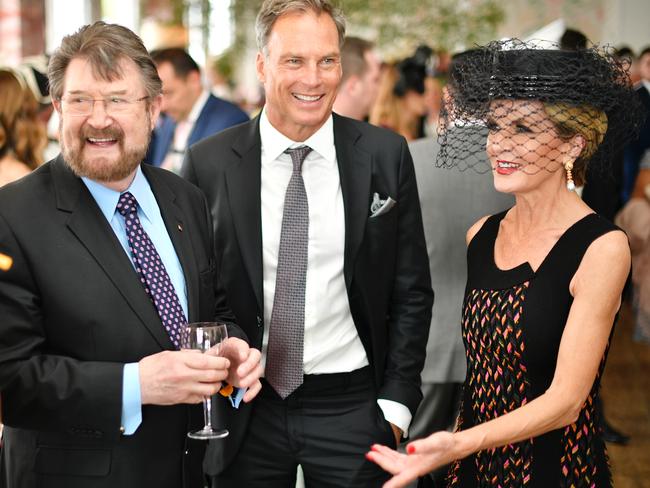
column 423, row 456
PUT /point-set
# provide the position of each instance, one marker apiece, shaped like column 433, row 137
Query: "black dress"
column 512, row 324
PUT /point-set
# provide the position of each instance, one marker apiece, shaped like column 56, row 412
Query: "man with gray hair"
column 109, row 260
column 322, row 255
column 360, row 80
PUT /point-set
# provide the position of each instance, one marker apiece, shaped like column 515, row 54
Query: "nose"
column 311, row 75
column 499, row 141
column 99, row 117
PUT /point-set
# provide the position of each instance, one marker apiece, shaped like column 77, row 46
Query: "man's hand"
column 245, row 368
column 397, row 432
column 172, row 377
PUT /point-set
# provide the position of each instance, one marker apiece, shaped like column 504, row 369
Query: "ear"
column 194, row 77
column 352, row 85
column 259, row 67
column 57, row 105
column 154, row 110
column 577, row 143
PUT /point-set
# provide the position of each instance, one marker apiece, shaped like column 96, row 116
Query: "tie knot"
column 127, row 204
column 298, row 155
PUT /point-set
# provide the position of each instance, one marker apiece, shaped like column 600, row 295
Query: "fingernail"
column 368, row 456
column 410, row 449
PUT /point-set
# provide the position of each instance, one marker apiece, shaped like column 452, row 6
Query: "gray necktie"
column 284, row 363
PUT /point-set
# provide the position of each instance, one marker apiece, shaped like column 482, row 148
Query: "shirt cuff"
column 131, row 399
column 396, row 414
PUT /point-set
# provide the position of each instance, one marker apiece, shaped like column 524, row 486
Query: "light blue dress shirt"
column 154, row 226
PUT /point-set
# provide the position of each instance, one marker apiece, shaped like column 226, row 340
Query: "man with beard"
column 110, row 259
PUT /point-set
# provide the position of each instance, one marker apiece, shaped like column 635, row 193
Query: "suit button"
column 259, row 321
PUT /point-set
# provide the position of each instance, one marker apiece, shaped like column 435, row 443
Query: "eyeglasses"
column 82, row 106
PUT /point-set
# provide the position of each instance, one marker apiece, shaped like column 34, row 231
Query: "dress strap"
column 565, row 257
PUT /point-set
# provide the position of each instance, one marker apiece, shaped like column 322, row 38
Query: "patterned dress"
column 512, row 325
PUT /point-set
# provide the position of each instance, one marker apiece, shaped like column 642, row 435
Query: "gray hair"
column 103, row 46
column 273, row 9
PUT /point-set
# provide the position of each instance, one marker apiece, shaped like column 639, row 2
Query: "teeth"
column 92, row 139
column 505, row 164
column 307, row 98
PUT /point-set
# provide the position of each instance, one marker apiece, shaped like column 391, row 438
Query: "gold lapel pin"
column 5, row 262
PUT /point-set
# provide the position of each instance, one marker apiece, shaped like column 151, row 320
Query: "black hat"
column 514, row 70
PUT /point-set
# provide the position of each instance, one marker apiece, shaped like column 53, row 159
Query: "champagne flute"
column 203, row 336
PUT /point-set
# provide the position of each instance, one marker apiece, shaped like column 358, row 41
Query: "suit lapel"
column 174, row 223
column 88, row 224
column 199, row 129
column 243, row 183
column 355, row 170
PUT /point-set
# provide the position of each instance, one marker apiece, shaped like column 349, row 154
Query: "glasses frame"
column 106, row 100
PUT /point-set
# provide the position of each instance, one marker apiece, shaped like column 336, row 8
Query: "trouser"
column 326, row 426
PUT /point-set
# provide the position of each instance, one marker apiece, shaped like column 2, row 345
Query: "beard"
column 102, row 169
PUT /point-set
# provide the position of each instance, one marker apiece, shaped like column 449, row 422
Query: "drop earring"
column 570, row 185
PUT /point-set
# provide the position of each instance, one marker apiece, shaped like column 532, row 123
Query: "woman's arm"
column 596, row 288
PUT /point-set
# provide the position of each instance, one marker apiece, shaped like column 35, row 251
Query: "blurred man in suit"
column 360, row 81
column 190, row 111
column 451, row 202
column 324, row 263
column 110, row 258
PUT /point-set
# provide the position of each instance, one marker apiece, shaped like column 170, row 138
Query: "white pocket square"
column 380, row 207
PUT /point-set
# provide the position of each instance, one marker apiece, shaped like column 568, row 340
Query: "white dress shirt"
column 174, row 159
column 331, row 341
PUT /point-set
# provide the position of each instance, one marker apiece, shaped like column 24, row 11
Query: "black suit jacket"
column 73, row 313
column 385, row 264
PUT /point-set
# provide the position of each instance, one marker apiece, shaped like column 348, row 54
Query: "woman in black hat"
column 544, row 278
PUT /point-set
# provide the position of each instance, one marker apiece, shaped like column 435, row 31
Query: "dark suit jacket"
column 216, row 115
column 635, row 149
column 385, row 264
column 73, row 313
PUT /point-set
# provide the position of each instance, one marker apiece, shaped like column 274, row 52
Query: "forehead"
column 515, row 109
column 80, row 77
column 303, row 33
column 166, row 72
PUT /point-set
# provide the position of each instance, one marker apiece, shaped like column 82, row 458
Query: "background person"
column 360, row 79
column 22, row 135
column 190, row 111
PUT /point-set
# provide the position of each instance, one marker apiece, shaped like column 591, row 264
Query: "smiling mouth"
column 307, row 98
column 101, row 141
column 501, row 163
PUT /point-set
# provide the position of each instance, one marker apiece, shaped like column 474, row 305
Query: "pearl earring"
column 570, row 185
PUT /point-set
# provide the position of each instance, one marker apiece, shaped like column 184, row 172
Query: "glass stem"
column 207, row 413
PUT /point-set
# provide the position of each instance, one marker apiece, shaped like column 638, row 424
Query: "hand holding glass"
column 203, row 336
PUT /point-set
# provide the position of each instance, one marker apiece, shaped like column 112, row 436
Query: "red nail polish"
column 410, row 449
column 368, row 456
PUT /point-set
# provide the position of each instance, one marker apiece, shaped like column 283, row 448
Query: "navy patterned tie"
column 151, row 270
column 284, row 363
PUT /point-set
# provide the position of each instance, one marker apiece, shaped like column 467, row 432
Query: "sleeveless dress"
column 512, row 325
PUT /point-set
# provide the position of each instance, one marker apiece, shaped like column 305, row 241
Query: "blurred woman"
column 544, row 278
column 22, row 135
column 634, row 218
column 401, row 104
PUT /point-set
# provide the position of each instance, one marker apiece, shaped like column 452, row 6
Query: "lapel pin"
column 180, row 227
column 5, row 262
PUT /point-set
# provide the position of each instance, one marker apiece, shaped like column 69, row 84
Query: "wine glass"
column 203, row 336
